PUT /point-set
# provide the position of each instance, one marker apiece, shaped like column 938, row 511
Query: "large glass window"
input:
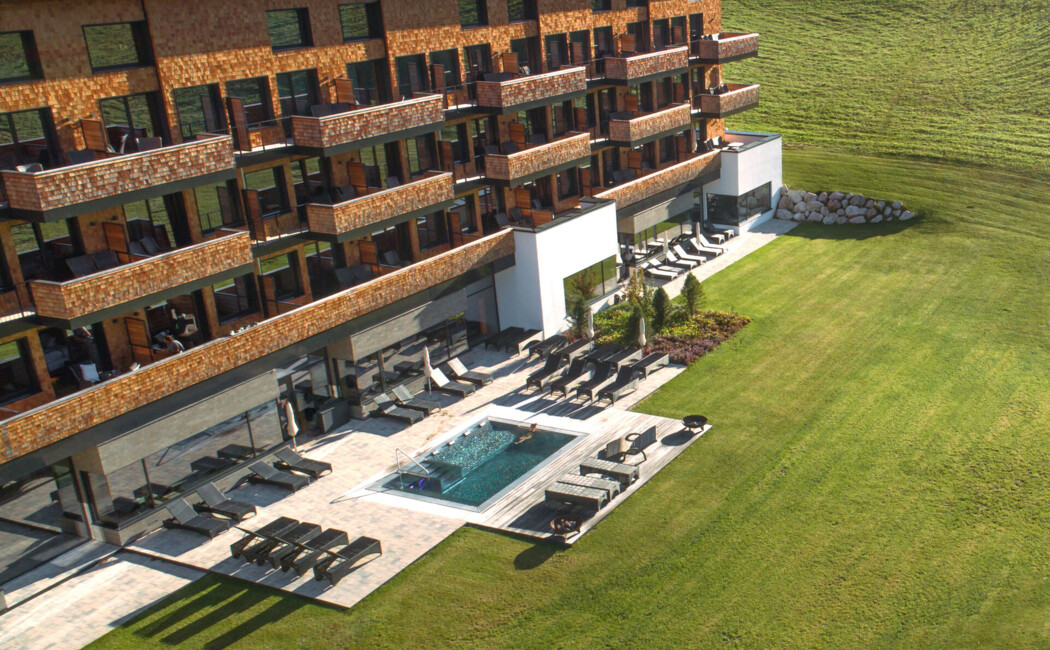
column 521, row 10
column 215, row 207
column 432, row 231
column 255, row 95
column 601, row 5
column 136, row 116
column 41, row 249
column 737, row 209
column 236, row 298
column 449, row 62
column 472, row 13
column 289, row 28
column 592, row 282
column 17, row 376
column 456, row 136
column 19, row 60
column 603, row 42
column 118, row 45
column 150, row 218
column 269, row 183
column 420, row 154
column 479, row 58
column 298, row 91
column 411, row 75
column 369, row 79
column 199, row 109
column 25, row 138
column 307, row 181
column 669, row 229
column 283, row 272
column 361, row 20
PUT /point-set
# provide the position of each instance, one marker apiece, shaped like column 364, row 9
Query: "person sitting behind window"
column 173, row 345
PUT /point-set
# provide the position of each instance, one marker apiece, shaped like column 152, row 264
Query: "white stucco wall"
column 743, row 171
column 531, row 294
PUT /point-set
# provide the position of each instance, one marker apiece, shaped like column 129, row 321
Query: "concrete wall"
column 745, row 170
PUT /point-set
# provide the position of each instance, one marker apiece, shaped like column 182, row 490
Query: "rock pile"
column 837, row 208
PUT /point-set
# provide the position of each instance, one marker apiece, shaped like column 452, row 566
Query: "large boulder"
column 855, row 211
column 857, row 200
column 796, row 195
column 830, row 219
column 841, row 212
column 799, row 207
column 838, row 196
column 841, row 220
column 799, row 216
column 809, row 196
column 833, row 204
column 824, row 211
column 785, row 202
column 896, row 205
column 814, row 206
column 907, row 214
column 877, row 219
column 823, row 197
column 784, row 214
column 870, row 203
column 857, row 220
column 815, row 217
column 887, row 211
column 870, row 212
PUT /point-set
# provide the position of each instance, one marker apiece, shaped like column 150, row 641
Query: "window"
column 411, row 75
column 594, row 281
column 236, row 298
column 636, row 3
column 679, row 35
column 255, row 95
column 557, row 51
column 661, row 33
column 298, row 91
column 567, row 184
column 456, row 136
column 737, row 209
column 449, row 62
column 17, row 376
column 289, row 28
column 307, row 181
column 601, row 5
column 375, row 161
column 640, row 32
column 215, row 207
column 19, row 60
column 521, row 10
column 603, row 42
column 283, row 272
column 41, row 249
column 370, row 80
column 479, row 59
column 472, row 13
column 432, row 231
column 199, row 109
column 136, row 116
column 27, row 137
column 580, row 46
column 462, row 214
column 269, row 183
column 420, row 155
column 118, row 45
column 361, row 20
column 669, row 229
column 149, row 218
column 668, row 149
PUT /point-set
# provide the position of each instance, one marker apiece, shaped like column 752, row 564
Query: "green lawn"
column 877, row 474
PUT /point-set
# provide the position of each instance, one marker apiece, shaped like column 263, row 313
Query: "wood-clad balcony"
column 538, row 160
column 644, row 67
column 511, row 92
column 702, row 168
column 646, row 127
column 63, row 192
column 380, row 207
column 734, row 99
column 142, row 282
column 371, row 125
column 726, row 47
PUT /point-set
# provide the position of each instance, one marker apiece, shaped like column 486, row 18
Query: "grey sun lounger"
column 653, row 362
column 626, row 381
column 680, row 252
column 544, row 375
column 500, row 339
column 339, row 562
column 577, row 349
column 459, row 371
column 576, row 495
column 406, row 399
column 290, row 543
column 267, row 532
column 389, row 409
column 446, row 385
column 627, row 356
column 312, row 551
column 288, row 459
column 603, row 374
column 548, row 346
column 672, row 260
column 186, row 518
column 264, row 473
column 659, row 272
column 261, row 549
column 623, row 473
column 216, row 502
column 612, row 488
column 574, row 374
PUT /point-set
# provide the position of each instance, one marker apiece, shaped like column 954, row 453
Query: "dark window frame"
column 32, row 58
column 601, row 5
column 302, row 19
column 312, row 94
column 373, row 21
column 250, row 297
column 32, row 386
column 141, row 42
column 479, row 10
column 186, row 123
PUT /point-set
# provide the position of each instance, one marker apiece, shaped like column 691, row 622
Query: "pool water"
column 479, row 463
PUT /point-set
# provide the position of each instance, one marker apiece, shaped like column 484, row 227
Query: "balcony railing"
column 27, row 432
column 147, row 173
column 650, row 124
column 538, row 158
column 342, row 219
column 518, row 91
column 655, row 182
column 642, row 66
column 723, row 48
column 735, row 98
column 347, row 129
column 139, row 281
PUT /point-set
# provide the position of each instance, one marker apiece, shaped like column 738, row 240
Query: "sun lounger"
column 631, row 444
column 612, row 488
column 186, row 518
column 459, row 371
column 682, row 255
column 216, row 502
column 603, row 374
column 706, row 244
column 267, row 532
column 576, row 495
column 311, row 552
column 603, row 353
column 520, row 343
column 264, row 473
column 288, row 544
column 625, row 357
column 653, row 362
column 625, row 474
column 548, row 346
column 340, row 561
column 499, row 340
column 574, row 374
column 671, row 260
column 544, row 375
column 406, row 399
column 444, row 384
column 658, row 272
column 626, row 381
column 288, row 459
column 700, row 248
column 387, row 408
column 576, row 349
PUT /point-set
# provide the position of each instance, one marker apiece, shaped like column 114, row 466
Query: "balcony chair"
column 105, row 260
column 509, row 147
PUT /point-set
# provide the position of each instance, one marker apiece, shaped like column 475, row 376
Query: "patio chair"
column 340, row 561
column 572, row 375
column 444, row 384
column 459, row 371
column 81, row 265
column 654, row 361
column 311, row 552
column 682, row 255
column 288, row 459
column 603, row 374
column 105, row 260
column 405, row 398
column 264, row 473
column 275, row 527
column 386, row 407
column 625, row 474
column 186, row 518
column 215, row 502
column 288, row 544
column 544, row 375
column 626, row 381
column 258, row 552
column 576, row 495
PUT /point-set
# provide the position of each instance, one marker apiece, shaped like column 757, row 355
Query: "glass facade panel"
column 737, row 209
column 592, row 282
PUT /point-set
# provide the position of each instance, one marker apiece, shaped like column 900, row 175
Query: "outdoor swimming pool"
column 476, row 466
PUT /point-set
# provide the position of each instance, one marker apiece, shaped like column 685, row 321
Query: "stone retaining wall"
column 838, row 208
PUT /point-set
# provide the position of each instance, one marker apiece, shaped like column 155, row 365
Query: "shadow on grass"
column 271, row 614
column 534, row 556
column 859, row 232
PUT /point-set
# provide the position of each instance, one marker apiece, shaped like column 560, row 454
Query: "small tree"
column 661, row 309
column 639, row 294
column 578, row 310
column 693, row 293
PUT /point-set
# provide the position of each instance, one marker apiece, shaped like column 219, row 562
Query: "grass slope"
column 962, row 80
column 877, row 474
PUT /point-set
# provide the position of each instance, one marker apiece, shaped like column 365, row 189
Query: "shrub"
column 578, row 310
column 661, row 307
column 692, row 294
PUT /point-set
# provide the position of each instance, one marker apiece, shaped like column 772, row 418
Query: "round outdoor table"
column 694, row 422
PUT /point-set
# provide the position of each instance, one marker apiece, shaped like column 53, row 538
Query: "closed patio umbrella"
column 590, row 324
column 641, row 331
column 289, row 414
column 427, row 370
